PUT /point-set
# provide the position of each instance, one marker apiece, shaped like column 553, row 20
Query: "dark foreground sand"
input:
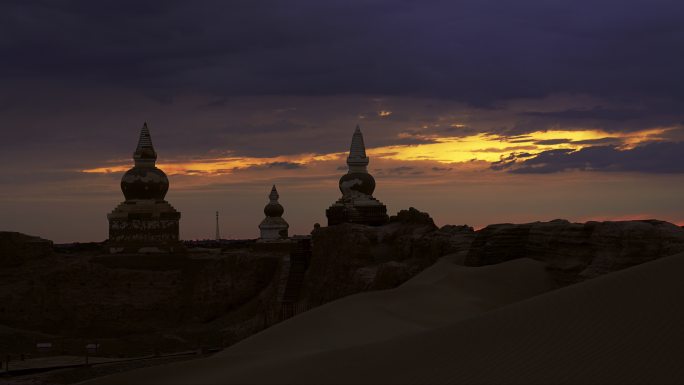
column 453, row 324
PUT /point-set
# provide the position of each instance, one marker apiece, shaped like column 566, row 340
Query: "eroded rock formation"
column 577, row 251
column 351, row 258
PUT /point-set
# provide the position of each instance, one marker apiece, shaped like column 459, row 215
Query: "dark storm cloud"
column 409, row 141
column 15, row 177
column 505, row 149
column 398, row 171
column 550, row 142
column 285, row 165
column 636, row 115
column 439, row 131
column 478, row 52
column 276, row 126
column 649, row 158
column 244, row 77
column 596, row 112
column 441, row 169
column 598, row 142
column 274, row 165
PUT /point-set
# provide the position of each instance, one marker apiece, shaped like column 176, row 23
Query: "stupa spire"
column 357, row 159
column 273, row 196
column 144, row 153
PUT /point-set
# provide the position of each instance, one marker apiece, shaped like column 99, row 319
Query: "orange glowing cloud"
column 221, row 165
column 491, row 148
column 478, row 149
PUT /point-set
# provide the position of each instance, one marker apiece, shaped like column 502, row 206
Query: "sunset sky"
column 477, row 112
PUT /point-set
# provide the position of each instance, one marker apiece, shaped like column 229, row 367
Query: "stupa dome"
column 144, row 183
column 144, row 180
column 273, row 208
column 361, row 182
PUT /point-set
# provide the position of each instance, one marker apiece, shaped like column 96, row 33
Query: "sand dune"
column 425, row 302
column 454, row 324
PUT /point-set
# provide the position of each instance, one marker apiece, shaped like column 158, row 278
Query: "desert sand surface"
column 455, row 324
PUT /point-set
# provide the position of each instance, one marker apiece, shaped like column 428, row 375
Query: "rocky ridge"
column 220, row 296
column 352, row 258
column 576, row 252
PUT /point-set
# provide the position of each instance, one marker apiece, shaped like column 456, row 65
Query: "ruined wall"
column 115, row 295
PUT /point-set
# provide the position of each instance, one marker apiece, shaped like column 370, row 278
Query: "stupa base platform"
column 273, row 229
column 144, row 226
column 368, row 212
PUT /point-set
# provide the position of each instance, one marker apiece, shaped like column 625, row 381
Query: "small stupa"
column 144, row 222
column 357, row 204
column 273, row 227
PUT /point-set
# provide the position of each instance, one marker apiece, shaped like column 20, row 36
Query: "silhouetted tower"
column 218, row 234
column 144, row 222
column 357, row 204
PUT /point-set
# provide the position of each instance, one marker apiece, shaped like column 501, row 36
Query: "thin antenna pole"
column 218, row 234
